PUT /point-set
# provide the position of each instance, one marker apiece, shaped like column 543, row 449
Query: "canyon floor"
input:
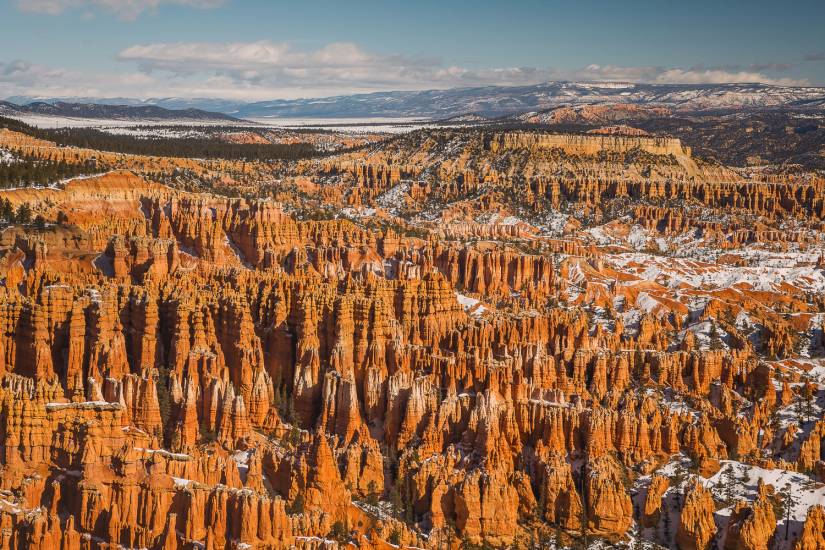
column 449, row 337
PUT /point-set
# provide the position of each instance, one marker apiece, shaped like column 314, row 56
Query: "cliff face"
column 590, row 144
column 184, row 370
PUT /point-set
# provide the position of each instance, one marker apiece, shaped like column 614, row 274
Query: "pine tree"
column 787, row 501
column 725, row 486
column 24, row 214
column 638, row 542
column 809, row 398
column 339, row 532
column 715, row 338
column 6, row 210
column 372, row 493
column 666, row 526
column 291, row 415
column 164, row 401
column 585, row 520
column 297, row 506
column 409, row 511
column 396, row 502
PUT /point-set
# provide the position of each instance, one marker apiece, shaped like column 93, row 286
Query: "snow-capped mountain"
column 496, row 100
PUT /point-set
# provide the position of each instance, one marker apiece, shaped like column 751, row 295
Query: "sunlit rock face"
column 475, row 337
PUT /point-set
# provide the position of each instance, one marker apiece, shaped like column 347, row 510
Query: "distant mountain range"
column 489, row 101
column 495, row 101
column 87, row 109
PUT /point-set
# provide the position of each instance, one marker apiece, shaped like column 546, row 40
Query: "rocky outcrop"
column 696, row 526
column 183, row 369
column 610, row 511
column 588, row 145
column 653, row 501
column 813, row 532
column 751, row 526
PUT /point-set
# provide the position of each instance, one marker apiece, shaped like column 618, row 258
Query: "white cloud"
column 346, row 67
column 339, row 65
column 718, row 76
column 125, row 9
column 676, row 75
column 272, row 70
column 23, row 78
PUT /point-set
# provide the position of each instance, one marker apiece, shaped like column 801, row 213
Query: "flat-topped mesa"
column 28, row 146
column 589, row 144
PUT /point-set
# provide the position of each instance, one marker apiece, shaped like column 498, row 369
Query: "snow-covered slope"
column 499, row 100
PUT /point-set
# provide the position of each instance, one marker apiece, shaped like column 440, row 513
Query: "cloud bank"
column 273, row 70
column 345, row 67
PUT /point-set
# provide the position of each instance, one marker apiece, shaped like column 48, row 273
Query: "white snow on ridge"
column 472, row 306
column 638, row 236
column 181, row 482
column 744, row 479
column 391, row 199
column 818, row 373
column 356, row 212
column 52, row 121
column 6, row 157
column 141, row 131
column 554, row 223
column 347, row 125
column 673, row 272
column 83, row 405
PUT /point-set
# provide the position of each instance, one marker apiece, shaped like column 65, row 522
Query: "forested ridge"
column 23, row 171
column 190, row 147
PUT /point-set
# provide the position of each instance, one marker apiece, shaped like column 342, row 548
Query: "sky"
column 250, row 50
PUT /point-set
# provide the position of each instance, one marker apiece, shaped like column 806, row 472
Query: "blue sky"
column 259, row 49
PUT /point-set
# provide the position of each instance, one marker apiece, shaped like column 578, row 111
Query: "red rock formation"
column 182, row 369
column 696, row 526
column 813, row 532
column 751, row 527
column 653, row 501
column 610, row 511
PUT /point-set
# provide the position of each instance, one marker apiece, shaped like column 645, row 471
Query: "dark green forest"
column 193, row 147
column 25, row 171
